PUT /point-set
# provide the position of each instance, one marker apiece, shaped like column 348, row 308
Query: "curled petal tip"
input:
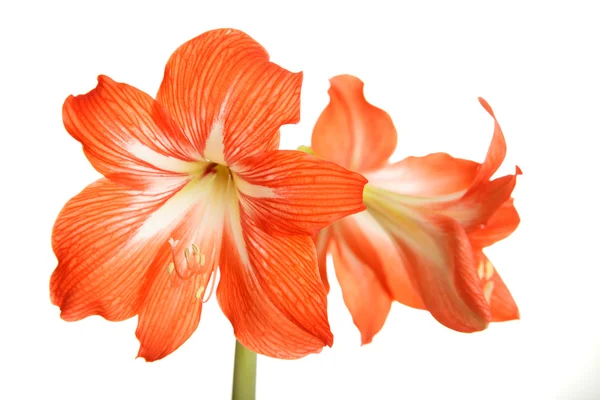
column 518, row 170
column 346, row 80
column 486, row 105
column 343, row 77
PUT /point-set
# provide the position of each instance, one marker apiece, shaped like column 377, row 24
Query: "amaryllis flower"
column 194, row 183
column 428, row 218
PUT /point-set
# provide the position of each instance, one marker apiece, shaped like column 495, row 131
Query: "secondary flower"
column 193, row 183
column 428, row 218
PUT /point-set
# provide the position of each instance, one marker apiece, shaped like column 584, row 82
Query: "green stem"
column 244, row 374
column 306, row 149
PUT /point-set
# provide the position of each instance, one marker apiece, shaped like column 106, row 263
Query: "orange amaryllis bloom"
column 194, row 182
column 428, row 218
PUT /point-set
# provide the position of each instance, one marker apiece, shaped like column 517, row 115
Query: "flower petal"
column 498, row 227
column 271, row 292
column 102, row 259
column 366, row 298
column 435, row 175
column 470, row 206
column 295, row 193
column 228, row 98
column 126, row 134
column 502, row 304
column 178, row 279
column 372, row 246
column 170, row 314
column 478, row 206
column 496, row 151
column 441, row 175
column 440, row 261
column 322, row 241
column 350, row 131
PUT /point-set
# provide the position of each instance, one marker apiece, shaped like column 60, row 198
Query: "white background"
column 535, row 62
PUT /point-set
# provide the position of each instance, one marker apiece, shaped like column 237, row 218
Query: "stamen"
column 199, row 292
column 489, row 270
column 487, row 291
column 213, row 276
column 184, row 269
column 480, row 270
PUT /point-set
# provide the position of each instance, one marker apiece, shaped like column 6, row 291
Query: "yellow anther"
column 194, row 249
column 186, row 254
column 487, row 291
column 489, row 270
column 170, row 268
column 480, row 270
column 199, row 292
column 202, row 260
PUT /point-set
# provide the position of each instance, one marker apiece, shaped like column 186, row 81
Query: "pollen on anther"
column 487, row 290
column 480, row 270
column 202, row 260
column 170, row 268
column 199, row 292
column 489, row 270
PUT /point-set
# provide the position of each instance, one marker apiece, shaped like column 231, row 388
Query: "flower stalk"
column 244, row 373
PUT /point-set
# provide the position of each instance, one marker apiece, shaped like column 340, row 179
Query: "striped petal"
column 291, row 192
column 179, row 277
column 439, row 260
column 366, row 297
column 229, row 99
column 271, row 292
column 350, row 131
column 104, row 242
column 127, row 136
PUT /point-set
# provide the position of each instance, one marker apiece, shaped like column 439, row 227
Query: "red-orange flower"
column 194, row 183
column 428, row 218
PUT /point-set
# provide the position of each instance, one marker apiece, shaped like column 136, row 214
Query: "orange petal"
column 350, row 131
column 449, row 193
column 439, row 259
column 271, row 292
column 499, row 226
column 126, row 135
column 479, row 205
column 502, row 304
column 322, row 241
column 295, row 193
column 172, row 303
column 102, row 258
column 372, row 246
column 496, row 151
column 170, row 314
column 226, row 95
column 364, row 294
column 435, row 175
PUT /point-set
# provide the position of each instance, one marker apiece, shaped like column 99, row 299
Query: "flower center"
column 196, row 243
